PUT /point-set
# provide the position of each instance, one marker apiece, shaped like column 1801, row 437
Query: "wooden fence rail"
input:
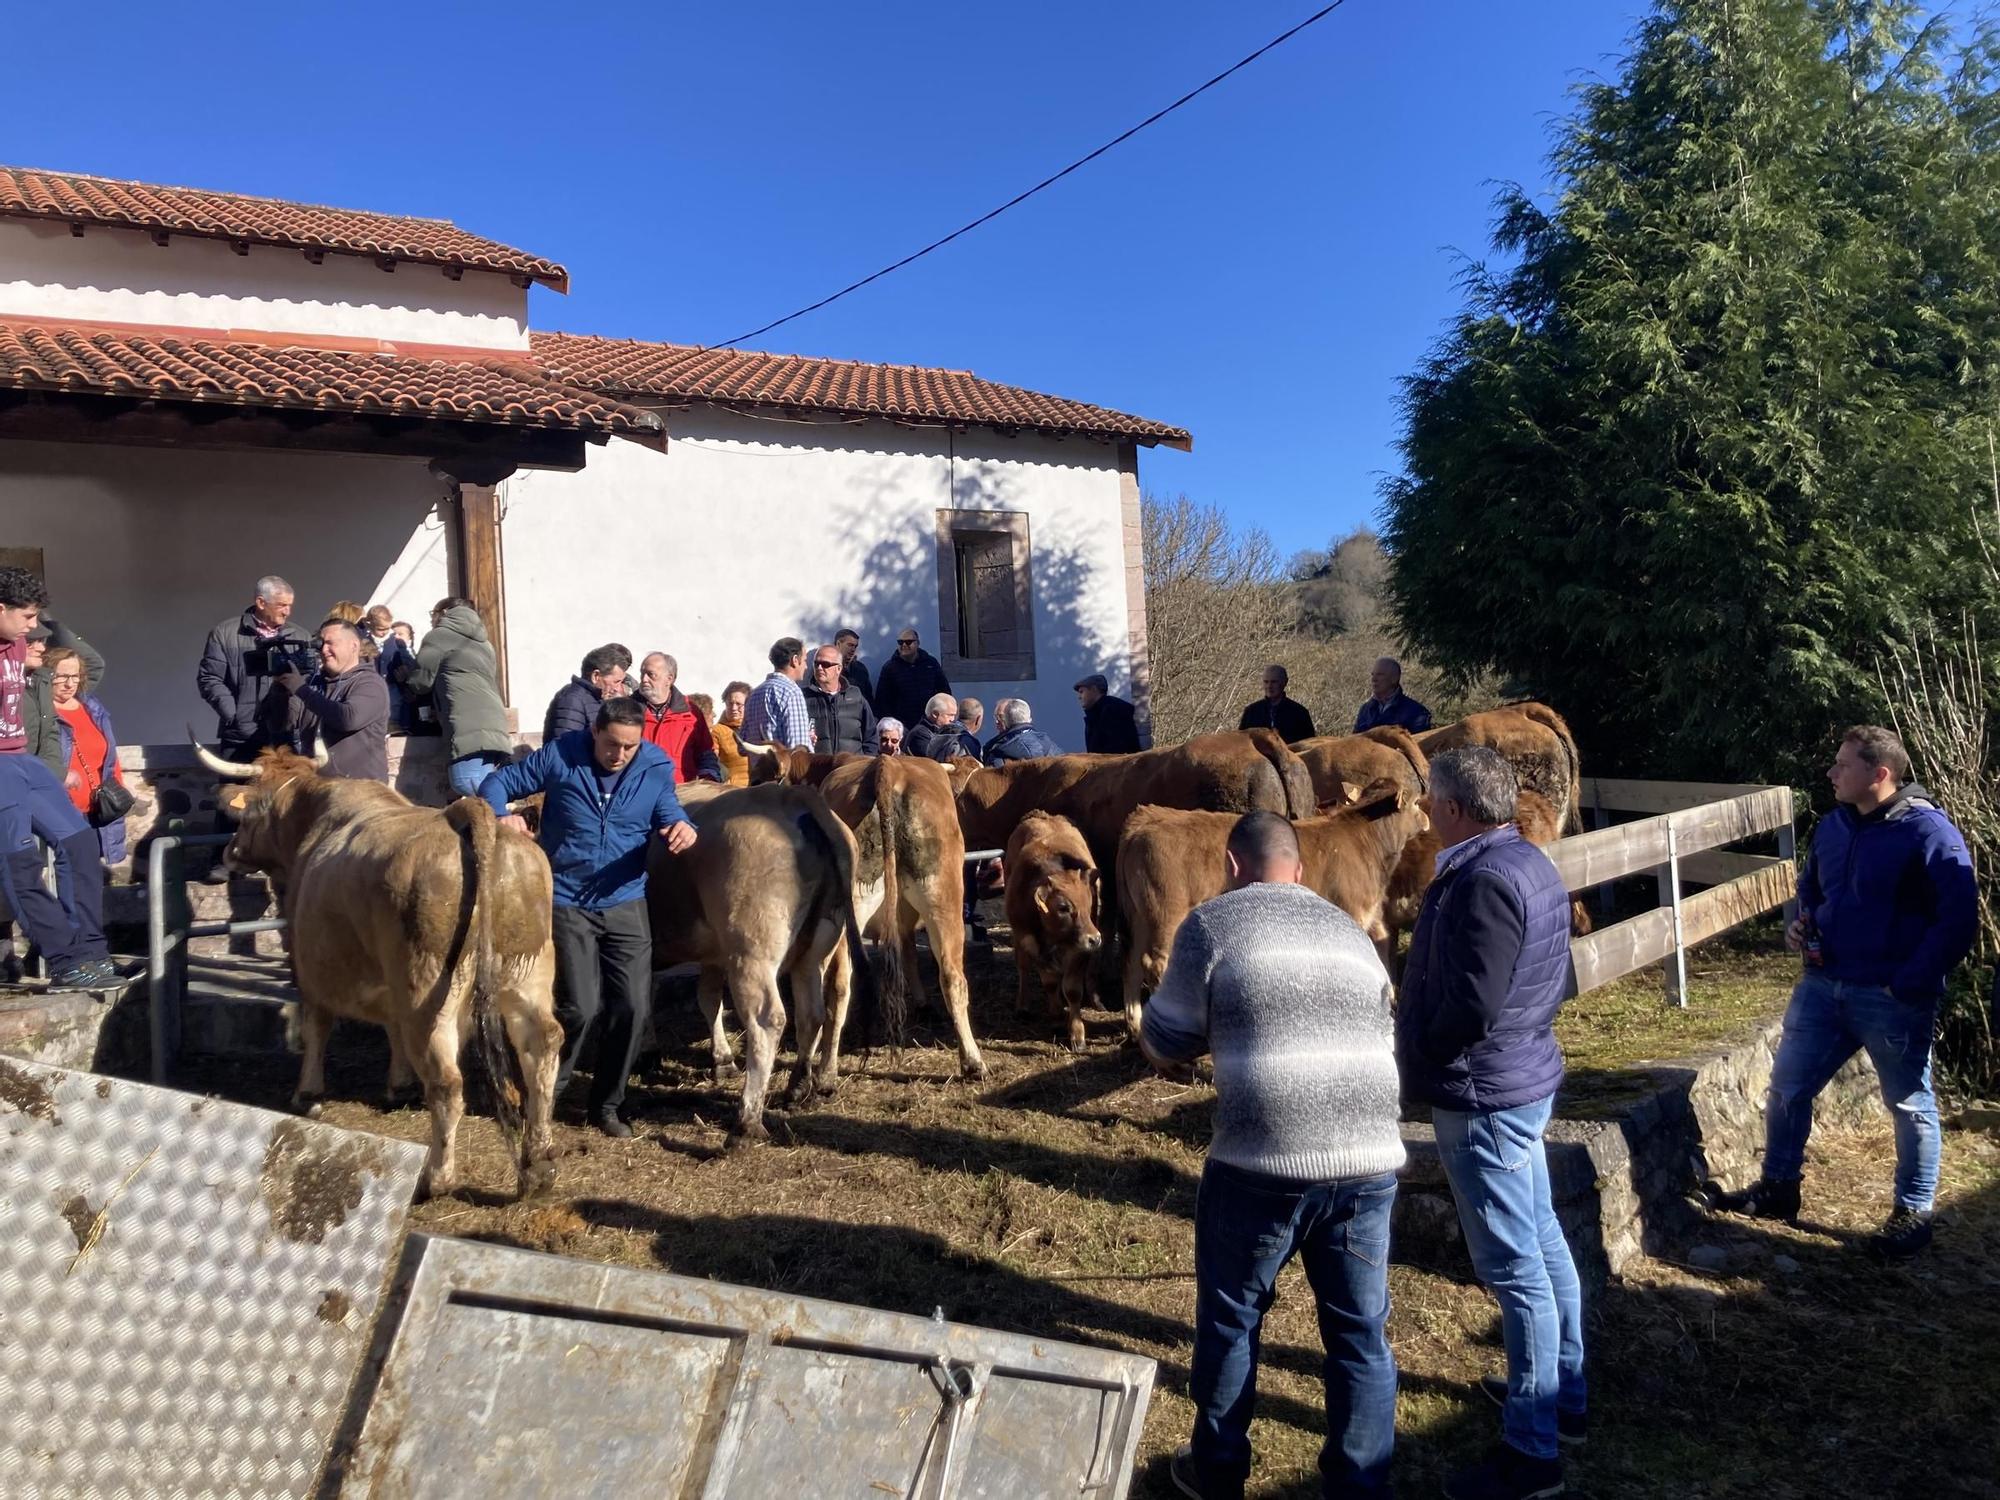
column 1681, row 842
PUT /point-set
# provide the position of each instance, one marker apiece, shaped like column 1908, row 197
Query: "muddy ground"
column 1057, row 1196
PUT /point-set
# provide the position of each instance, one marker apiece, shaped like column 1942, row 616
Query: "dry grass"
column 1057, row 1198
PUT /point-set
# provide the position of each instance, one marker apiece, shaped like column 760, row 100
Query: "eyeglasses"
column 826, row 666
column 911, row 641
column 66, row 677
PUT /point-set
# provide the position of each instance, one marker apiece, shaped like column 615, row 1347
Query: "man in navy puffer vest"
column 1887, row 908
column 1488, row 968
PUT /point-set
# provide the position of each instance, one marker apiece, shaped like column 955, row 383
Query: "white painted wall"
column 746, row 530
column 146, row 549
column 121, row 276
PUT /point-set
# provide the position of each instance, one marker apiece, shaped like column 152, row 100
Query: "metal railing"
column 169, row 924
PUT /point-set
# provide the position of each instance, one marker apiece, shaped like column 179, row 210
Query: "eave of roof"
column 632, row 369
column 484, row 388
column 81, row 200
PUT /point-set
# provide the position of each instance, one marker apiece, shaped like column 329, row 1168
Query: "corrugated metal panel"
column 514, row 1374
column 186, row 1286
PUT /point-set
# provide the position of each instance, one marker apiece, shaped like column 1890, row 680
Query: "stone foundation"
column 1623, row 1182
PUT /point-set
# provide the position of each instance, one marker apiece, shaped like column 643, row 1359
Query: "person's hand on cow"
column 514, row 821
column 679, row 836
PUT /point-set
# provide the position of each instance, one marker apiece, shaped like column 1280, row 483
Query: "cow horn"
column 228, row 770
column 751, row 747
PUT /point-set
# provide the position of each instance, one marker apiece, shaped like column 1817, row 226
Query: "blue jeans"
column 1499, row 1174
column 1829, row 1020
column 34, row 810
column 468, row 773
column 1247, row 1226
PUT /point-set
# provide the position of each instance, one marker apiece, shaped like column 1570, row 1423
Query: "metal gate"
column 515, row 1374
column 186, row 1286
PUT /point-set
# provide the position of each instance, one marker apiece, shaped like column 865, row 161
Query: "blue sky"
column 1259, row 267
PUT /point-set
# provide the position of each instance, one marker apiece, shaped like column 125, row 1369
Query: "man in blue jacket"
column 1488, row 968
column 605, row 790
column 1887, row 908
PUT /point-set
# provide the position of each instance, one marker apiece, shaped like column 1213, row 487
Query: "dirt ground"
column 1057, row 1198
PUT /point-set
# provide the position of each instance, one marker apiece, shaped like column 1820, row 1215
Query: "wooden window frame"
column 1019, row 665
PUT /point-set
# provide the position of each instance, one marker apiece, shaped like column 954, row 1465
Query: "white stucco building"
column 200, row 388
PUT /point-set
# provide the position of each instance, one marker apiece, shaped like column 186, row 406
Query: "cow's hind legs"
column 315, row 1028
column 762, row 1012
column 947, row 929
column 444, row 1093
column 404, row 1091
column 838, row 991
column 708, row 991
column 808, row 1022
column 527, row 1005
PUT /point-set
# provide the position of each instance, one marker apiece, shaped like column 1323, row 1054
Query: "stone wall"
column 1623, row 1183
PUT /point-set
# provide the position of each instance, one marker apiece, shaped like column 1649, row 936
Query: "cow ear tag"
column 237, row 801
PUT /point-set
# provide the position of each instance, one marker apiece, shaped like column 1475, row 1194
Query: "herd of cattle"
column 435, row 923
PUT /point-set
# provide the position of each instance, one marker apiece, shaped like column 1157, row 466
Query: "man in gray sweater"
column 1287, row 995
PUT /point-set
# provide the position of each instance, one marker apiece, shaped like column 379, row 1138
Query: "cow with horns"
column 432, row 923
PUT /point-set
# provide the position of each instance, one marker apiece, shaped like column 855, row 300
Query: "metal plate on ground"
column 514, row 1374
column 186, row 1286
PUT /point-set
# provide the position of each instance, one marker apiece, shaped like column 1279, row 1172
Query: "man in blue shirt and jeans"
column 1887, row 908
column 605, row 790
column 1487, row 971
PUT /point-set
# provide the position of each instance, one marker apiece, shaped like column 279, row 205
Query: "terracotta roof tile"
column 628, row 368
column 488, row 391
column 72, row 198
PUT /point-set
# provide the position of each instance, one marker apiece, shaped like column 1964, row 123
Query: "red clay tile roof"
column 72, row 198
column 628, row 368
column 129, row 363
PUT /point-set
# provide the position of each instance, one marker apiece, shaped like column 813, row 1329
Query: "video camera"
column 287, row 653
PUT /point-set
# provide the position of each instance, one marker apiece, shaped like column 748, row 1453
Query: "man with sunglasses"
column 840, row 713
column 908, row 680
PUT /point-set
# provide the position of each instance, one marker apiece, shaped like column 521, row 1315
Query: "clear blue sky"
column 1259, row 267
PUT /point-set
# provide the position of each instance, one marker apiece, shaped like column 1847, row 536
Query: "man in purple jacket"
column 1488, row 968
column 1887, row 909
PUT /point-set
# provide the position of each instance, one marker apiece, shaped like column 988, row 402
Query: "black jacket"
column 1286, row 716
column 574, row 706
column 351, row 714
column 236, row 669
column 903, row 688
column 1022, row 742
column 843, row 720
column 1110, row 727
column 928, row 740
column 856, row 672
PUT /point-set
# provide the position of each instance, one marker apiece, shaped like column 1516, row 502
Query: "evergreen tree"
column 1683, row 462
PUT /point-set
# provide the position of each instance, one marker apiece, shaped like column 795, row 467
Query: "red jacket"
column 678, row 728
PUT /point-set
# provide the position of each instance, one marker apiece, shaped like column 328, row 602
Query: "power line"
column 1081, row 161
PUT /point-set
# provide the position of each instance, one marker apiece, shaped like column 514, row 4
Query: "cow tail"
column 472, row 817
column 894, row 983
column 1557, row 725
column 823, row 828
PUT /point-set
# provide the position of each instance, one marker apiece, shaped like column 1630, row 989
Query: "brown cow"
column 1533, row 815
column 1052, row 890
column 386, row 926
column 910, row 873
column 1342, row 764
column 764, row 897
column 1534, row 739
column 1170, row 861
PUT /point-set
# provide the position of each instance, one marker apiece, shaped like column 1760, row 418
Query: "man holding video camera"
column 245, row 653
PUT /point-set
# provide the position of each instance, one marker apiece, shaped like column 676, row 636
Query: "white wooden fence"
column 1681, row 843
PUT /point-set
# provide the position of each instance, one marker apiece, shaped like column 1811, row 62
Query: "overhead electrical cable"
column 1023, row 197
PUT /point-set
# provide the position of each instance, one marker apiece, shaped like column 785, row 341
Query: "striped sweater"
column 1286, row 993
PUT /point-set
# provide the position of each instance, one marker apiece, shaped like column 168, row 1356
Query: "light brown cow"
column 1535, row 740
column 1538, row 823
column 910, row 873
column 1052, row 892
column 1342, row 764
column 1170, row 861
column 385, row 926
column 761, row 900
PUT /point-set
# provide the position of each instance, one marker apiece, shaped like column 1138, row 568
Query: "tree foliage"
column 1689, row 456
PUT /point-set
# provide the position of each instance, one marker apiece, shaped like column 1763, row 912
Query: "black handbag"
column 109, row 803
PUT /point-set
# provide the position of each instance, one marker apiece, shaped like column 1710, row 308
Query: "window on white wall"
column 985, row 595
